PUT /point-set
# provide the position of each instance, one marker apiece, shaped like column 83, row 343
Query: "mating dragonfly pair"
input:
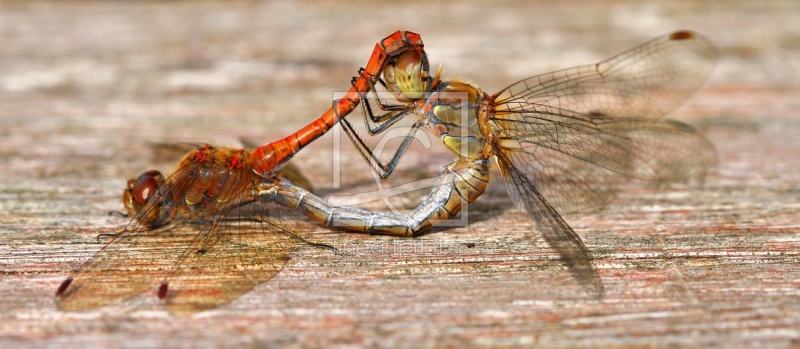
column 226, row 220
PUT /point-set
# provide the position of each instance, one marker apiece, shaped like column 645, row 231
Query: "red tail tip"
column 162, row 291
column 64, row 286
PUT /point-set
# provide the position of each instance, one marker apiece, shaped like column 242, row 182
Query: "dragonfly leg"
column 462, row 182
column 382, row 170
column 374, row 121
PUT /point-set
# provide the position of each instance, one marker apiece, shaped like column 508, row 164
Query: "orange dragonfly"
column 559, row 139
column 223, row 222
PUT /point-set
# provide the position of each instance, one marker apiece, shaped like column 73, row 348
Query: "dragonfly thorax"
column 452, row 112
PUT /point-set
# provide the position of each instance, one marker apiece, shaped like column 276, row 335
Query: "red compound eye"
column 407, row 61
column 145, row 186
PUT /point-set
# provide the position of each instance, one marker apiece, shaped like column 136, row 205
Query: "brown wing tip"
column 681, row 35
column 162, row 291
column 64, row 286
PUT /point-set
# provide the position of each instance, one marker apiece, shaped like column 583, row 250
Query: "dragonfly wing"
column 569, row 184
column 665, row 149
column 606, row 113
column 137, row 258
column 248, row 246
column 558, row 234
column 559, row 163
column 131, row 263
column 644, row 82
column 638, row 148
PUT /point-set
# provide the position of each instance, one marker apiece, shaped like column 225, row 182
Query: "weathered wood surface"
column 86, row 87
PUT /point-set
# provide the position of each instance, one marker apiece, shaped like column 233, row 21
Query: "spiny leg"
column 382, row 170
column 375, row 122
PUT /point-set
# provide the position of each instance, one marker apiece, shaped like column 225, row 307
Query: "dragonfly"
column 224, row 221
column 561, row 140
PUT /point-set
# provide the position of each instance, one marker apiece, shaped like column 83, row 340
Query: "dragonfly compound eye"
column 145, row 186
column 408, row 75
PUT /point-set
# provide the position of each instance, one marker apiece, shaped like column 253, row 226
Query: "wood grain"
column 86, row 88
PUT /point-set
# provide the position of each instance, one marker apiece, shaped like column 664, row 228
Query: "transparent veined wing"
column 558, row 234
column 580, row 170
column 644, row 82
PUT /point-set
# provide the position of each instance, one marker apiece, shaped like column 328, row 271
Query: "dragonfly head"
column 139, row 196
column 408, row 77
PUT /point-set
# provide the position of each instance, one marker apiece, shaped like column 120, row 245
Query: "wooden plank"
column 85, row 88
